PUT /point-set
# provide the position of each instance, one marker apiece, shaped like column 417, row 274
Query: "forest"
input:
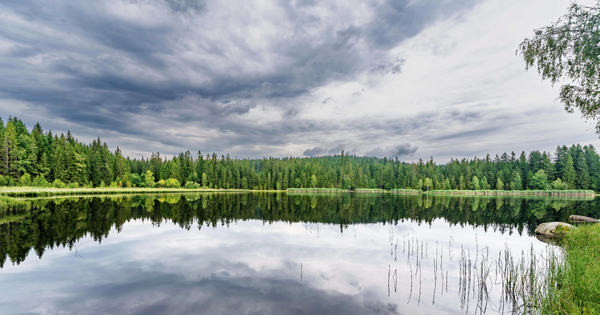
column 43, row 159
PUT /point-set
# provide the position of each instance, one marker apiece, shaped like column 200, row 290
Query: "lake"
column 274, row 253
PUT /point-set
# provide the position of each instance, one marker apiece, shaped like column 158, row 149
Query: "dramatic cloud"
column 276, row 78
column 401, row 150
column 316, row 151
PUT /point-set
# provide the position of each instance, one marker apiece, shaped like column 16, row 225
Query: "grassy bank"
column 393, row 191
column 557, row 193
column 316, row 190
column 553, row 193
column 47, row 192
column 575, row 281
column 358, row 190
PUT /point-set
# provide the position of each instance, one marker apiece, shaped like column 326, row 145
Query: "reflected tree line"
column 64, row 221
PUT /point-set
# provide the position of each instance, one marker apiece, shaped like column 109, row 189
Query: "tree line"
column 43, row 159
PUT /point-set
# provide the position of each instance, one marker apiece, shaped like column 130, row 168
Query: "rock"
column 552, row 229
column 546, row 240
column 582, row 219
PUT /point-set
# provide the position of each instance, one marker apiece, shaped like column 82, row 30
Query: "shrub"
column 149, row 179
column 25, row 180
column 40, row 181
column 558, row 185
column 137, row 180
column 73, row 185
column 57, row 183
column 3, row 181
column 192, row 185
column 172, row 183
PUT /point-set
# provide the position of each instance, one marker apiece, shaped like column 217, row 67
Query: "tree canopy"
column 569, row 50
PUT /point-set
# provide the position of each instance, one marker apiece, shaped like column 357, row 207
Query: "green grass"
column 320, row 190
column 405, row 191
column 552, row 193
column 46, row 192
column 575, row 280
column 371, row 190
column 358, row 190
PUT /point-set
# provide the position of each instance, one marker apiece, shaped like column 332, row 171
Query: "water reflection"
column 349, row 254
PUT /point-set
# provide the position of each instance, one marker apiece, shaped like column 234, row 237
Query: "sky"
column 411, row 79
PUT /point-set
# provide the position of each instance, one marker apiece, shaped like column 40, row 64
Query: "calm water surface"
column 270, row 253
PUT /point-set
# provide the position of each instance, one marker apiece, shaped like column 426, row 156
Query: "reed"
column 316, row 190
column 503, row 283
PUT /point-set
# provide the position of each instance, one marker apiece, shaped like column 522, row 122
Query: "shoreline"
column 557, row 193
column 48, row 192
column 16, row 192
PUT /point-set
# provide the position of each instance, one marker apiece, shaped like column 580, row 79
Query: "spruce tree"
column 583, row 175
column 9, row 150
column 569, row 176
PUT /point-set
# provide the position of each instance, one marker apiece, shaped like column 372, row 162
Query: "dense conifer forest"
column 43, row 159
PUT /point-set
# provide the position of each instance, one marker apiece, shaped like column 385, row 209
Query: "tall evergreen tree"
column 569, row 175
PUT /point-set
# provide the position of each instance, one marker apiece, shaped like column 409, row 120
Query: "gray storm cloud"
column 201, row 65
column 400, row 150
column 318, row 151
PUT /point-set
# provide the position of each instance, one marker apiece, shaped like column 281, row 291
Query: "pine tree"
column 583, row 175
column 9, row 150
column 200, row 166
column 569, row 176
column 516, row 183
column 593, row 162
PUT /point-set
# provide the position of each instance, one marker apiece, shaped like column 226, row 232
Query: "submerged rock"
column 546, row 240
column 582, row 219
column 553, row 229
